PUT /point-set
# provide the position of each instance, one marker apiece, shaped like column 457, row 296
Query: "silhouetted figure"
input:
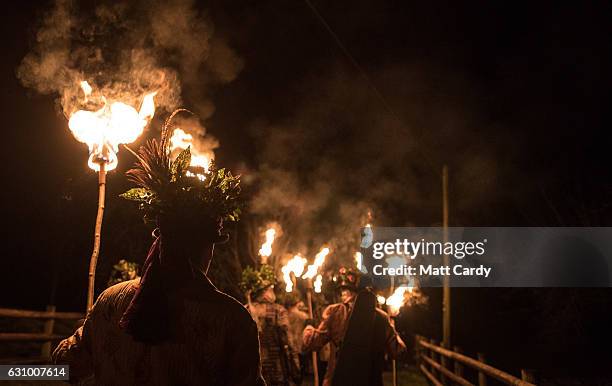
column 273, row 325
column 172, row 326
column 360, row 335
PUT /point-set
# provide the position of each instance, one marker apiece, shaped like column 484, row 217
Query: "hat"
column 346, row 278
column 168, row 189
column 255, row 281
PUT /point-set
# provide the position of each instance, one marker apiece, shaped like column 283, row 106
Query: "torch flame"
column 313, row 268
column 266, row 248
column 147, row 108
column 86, row 89
column 295, row 266
column 318, row 283
column 401, row 294
column 182, row 140
column 103, row 130
column 397, row 300
column 359, row 262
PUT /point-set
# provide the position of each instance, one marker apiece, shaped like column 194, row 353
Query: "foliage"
column 123, row 271
column 254, row 280
column 169, row 186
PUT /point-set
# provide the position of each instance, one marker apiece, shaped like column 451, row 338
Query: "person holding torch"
column 360, row 335
column 280, row 364
column 172, row 326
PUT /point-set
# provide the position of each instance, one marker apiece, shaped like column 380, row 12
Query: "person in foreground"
column 171, row 327
column 360, row 334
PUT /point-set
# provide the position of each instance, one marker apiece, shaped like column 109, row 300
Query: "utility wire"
column 368, row 80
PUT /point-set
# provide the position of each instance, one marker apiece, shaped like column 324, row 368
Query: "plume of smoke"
column 127, row 49
column 342, row 154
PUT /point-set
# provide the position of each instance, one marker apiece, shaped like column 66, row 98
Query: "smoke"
column 201, row 143
column 125, row 50
column 343, row 153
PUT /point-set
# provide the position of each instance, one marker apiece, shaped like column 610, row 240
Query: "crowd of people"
column 172, row 326
column 287, row 335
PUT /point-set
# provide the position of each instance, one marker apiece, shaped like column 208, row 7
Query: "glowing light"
column 103, row 130
column 359, row 262
column 313, row 268
column 181, row 140
column 295, row 266
column 399, row 298
column 318, row 283
column 381, row 299
column 86, row 88
column 396, row 301
column 266, row 248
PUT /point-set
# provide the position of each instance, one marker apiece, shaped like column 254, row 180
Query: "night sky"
column 513, row 96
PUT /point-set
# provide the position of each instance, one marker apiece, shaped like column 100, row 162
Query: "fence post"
column 45, row 350
column 432, row 355
column 443, row 363
column 527, row 375
column 458, row 365
column 417, row 349
column 482, row 377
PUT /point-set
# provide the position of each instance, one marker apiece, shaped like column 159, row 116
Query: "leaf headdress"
column 254, row 280
column 167, row 186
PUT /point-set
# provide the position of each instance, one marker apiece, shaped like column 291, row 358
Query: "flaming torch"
column 394, row 304
column 313, row 268
column 311, row 272
column 397, row 300
column 102, row 131
column 318, row 283
column 266, row 248
column 294, row 266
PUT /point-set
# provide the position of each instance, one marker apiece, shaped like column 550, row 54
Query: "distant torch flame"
column 295, row 266
column 103, row 130
column 86, row 89
column 180, row 140
column 318, row 283
column 359, row 260
column 266, row 248
column 398, row 299
column 313, row 268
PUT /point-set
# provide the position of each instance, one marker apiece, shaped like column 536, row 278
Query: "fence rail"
column 46, row 336
column 27, row 314
column 439, row 373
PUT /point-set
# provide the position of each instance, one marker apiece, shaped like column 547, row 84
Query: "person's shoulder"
column 233, row 307
column 334, row 308
column 115, row 298
column 119, row 291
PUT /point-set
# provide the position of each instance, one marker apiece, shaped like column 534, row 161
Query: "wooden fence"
column 46, row 336
column 435, row 363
